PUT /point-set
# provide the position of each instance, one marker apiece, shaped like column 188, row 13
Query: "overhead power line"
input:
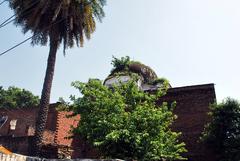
column 7, row 21
column 1, row 54
column 27, row 10
column 3, row 2
column 15, row 46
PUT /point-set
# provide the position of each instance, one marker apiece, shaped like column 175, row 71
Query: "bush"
column 223, row 132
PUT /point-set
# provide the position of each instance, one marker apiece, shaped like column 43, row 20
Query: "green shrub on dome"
column 126, row 66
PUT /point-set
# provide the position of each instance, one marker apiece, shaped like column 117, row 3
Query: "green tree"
column 125, row 122
column 223, row 132
column 56, row 21
column 14, row 97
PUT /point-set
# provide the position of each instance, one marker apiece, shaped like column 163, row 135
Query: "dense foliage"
column 125, row 122
column 120, row 64
column 223, row 133
column 14, row 97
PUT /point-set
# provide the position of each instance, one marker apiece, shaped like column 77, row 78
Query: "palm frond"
column 79, row 19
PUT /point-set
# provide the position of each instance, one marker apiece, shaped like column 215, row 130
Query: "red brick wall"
column 25, row 118
column 192, row 108
column 64, row 125
column 58, row 126
column 15, row 144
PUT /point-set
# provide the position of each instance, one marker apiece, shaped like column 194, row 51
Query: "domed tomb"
column 124, row 70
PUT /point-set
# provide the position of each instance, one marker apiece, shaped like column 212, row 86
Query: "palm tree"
column 56, row 22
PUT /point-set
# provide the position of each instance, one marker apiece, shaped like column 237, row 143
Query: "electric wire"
column 3, row 2
column 6, row 21
column 9, row 20
column 1, row 54
column 23, row 112
column 15, row 46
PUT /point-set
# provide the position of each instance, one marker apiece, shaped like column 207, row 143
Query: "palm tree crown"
column 75, row 18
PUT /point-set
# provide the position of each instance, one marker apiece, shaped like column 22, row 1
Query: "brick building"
column 17, row 132
column 192, row 108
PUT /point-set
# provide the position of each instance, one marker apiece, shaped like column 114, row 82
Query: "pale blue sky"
column 188, row 42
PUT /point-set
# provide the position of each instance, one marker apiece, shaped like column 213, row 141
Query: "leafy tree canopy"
column 223, row 132
column 14, row 97
column 125, row 122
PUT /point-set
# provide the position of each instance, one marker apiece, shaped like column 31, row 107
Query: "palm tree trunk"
column 45, row 98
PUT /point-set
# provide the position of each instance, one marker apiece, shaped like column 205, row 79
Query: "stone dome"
column 145, row 72
column 124, row 69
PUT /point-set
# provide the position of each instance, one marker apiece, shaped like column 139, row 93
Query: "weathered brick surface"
column 25, row 118
column 81, row 149
column 192, row 108
column 16, row 144
column 64, row 126
column 57, row 129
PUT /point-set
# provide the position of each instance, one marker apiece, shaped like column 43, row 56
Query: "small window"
column 13, row 124
column 30, row 130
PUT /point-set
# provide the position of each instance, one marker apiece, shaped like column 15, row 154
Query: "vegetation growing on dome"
column 126, row 66
column 121, row 64
column 163, row 81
